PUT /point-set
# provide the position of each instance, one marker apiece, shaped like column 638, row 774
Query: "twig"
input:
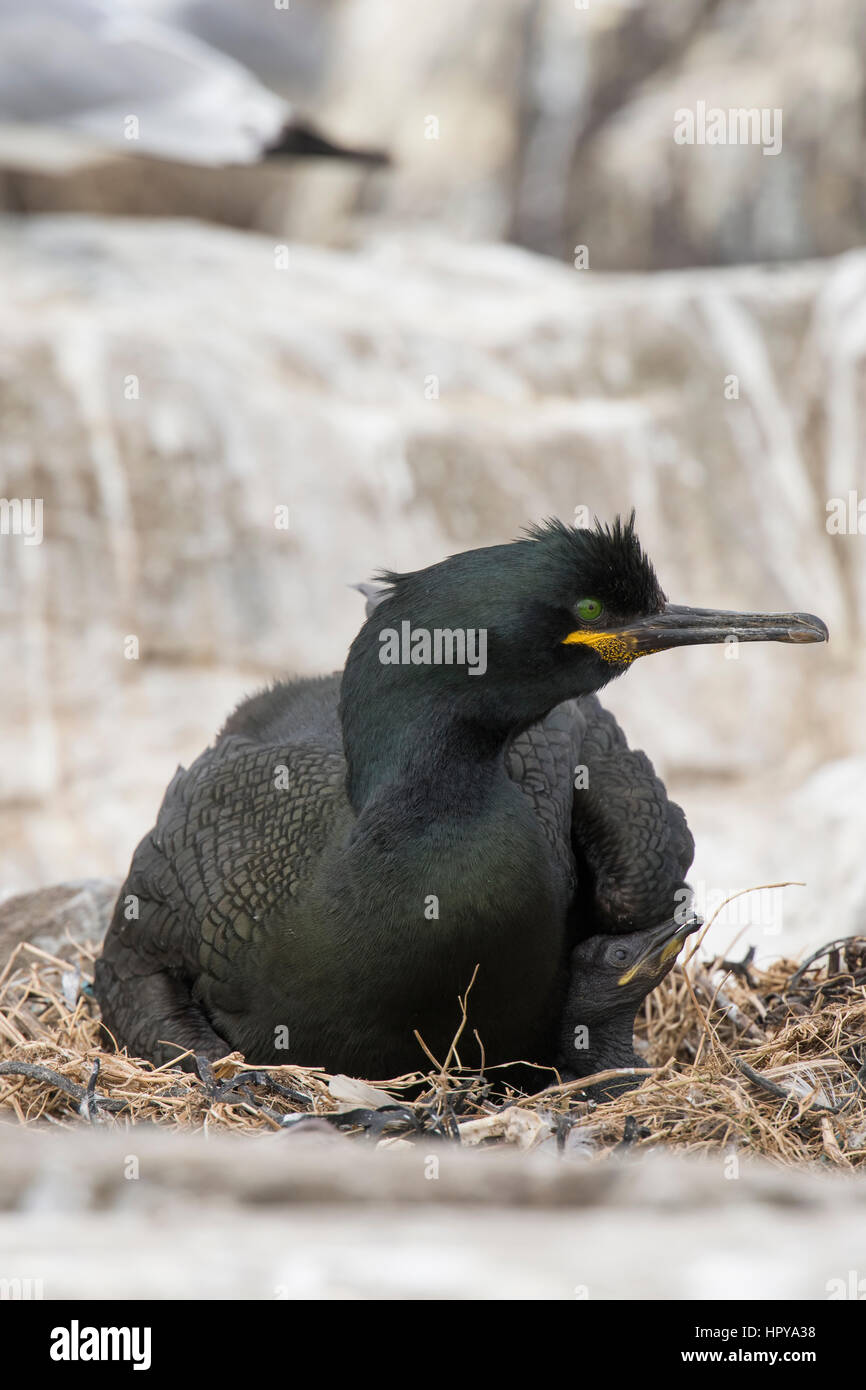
column 36, row 1072
column 567, row 1088
column 463, row 1007
column 816, row 955
column 731, row 1010
column 426, row 1050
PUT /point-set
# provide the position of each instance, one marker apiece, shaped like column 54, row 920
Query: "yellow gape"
column 611, row 646
column 672, row 948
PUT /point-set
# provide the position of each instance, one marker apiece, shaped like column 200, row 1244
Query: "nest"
column 749, row 1061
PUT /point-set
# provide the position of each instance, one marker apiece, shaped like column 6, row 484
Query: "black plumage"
column 609, row 977
column 324, row 879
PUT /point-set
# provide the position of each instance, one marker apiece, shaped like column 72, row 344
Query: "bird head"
column 560, row 612
column 612, row 975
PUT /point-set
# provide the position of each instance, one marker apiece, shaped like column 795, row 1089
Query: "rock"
column 310, row 1220
column 59, row 918
column 553, row 125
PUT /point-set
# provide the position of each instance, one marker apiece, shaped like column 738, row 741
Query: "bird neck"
column 436, row 757
column 424, row 735
column 602, row 1045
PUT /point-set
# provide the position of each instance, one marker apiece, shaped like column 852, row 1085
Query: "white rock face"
column 167, row 389
column 552, row 124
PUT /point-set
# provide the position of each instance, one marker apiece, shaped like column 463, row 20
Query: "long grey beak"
column 677, row 626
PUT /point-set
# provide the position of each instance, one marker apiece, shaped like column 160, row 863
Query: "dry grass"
column 769, row 1062
column 764, row 1061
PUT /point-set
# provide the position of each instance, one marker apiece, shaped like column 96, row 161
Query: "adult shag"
column 323, row 881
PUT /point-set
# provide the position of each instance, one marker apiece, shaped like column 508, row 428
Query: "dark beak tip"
column 688, row 929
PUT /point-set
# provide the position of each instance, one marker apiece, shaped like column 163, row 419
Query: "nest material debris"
column 750, row 1061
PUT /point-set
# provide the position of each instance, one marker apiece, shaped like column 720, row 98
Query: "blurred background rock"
column 408, row 361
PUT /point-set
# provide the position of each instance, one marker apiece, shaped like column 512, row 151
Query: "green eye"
column 588, row 609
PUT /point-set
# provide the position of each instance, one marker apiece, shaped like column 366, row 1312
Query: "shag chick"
column 609, row 979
